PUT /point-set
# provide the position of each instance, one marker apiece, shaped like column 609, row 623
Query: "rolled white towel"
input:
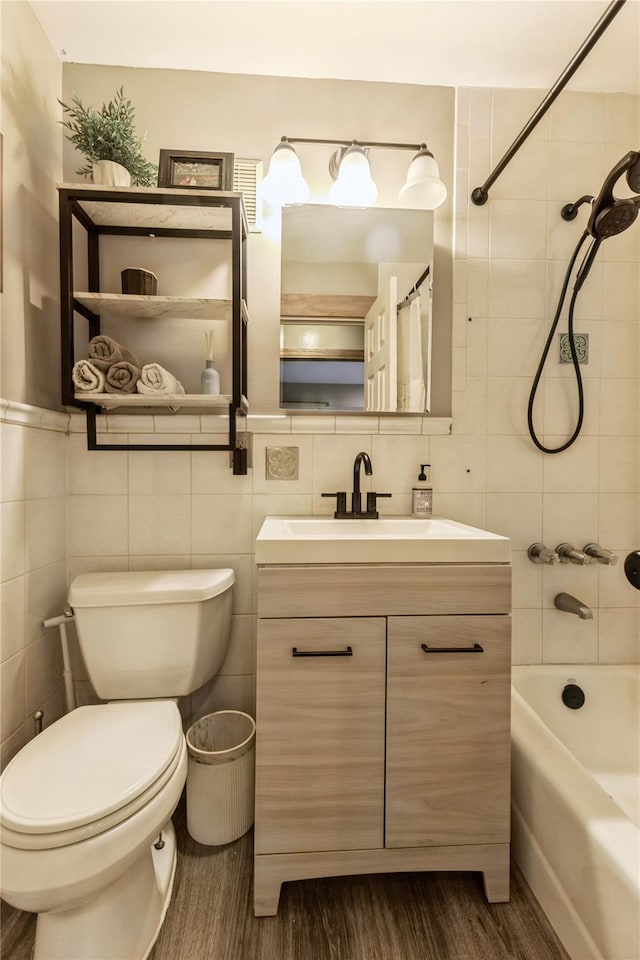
column 155, row 379
column 87, row 377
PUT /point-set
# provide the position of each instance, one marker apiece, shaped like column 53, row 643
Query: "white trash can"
column 220, row 776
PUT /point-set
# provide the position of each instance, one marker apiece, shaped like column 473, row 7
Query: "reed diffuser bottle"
column 210, row 378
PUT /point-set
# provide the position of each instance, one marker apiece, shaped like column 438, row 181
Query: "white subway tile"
column 98, row 526
column 619, row 465
column 159, row 524
column 517, row 516
column 46, row 597
column 221, row 524
column 12, row 614
column 578, row 116
column 159, row 472
column 12, row 539
column 567, row 639
column 517, row 289
column 458, row 464
column 518, row 230
column 526, row 639
column 96, row 472
column 45, row 531
column 619, row 636
column 618, row 521
column 574, row 470
column 570, row 518
column 12, row 462
column 12, row 693
column 575, row 170
column 513, row 465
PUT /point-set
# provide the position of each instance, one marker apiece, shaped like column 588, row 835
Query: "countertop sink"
column 386, row 540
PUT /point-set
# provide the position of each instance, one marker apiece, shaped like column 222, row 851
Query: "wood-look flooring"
column 409, row 916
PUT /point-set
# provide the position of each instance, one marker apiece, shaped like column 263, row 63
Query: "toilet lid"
column 93, row 761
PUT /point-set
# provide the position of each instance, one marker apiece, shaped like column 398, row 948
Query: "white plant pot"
column 108, row 173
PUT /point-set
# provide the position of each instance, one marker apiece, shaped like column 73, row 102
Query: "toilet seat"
column 89, row 771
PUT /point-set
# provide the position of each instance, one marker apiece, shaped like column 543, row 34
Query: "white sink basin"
column 387, row 540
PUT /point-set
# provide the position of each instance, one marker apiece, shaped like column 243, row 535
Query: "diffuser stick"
column 210, row 378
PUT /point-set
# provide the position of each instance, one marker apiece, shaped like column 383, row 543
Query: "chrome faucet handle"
column 538, row 553
column 599, row 554
column 568, row 554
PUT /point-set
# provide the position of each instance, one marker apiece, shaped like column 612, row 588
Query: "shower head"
column 614, row 219
column 633, row 173
column 610, row 216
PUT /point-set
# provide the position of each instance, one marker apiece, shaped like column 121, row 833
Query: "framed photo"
column 195, row 170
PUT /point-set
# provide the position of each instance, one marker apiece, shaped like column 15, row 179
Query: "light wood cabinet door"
column 448, row 739
column 320, row 734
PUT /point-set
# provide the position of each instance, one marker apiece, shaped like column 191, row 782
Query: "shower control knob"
column 538, row 553
column 569, row 554
column 599, row 554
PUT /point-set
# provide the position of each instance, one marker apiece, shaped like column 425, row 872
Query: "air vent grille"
column 247, row 174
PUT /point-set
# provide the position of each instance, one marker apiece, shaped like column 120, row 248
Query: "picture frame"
column 195, row 170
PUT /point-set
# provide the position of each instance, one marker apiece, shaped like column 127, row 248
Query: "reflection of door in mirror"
column 337, row 263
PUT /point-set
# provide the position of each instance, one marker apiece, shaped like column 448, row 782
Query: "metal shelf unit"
column 152, row 212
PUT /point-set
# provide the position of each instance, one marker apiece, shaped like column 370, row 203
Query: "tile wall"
column 511, row 256
column 131, row 510
column 33, row 570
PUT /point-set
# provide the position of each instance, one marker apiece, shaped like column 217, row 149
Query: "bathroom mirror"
column 356, row 309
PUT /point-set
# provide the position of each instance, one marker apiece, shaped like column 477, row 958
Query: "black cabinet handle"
column 476, row 648
column 321, row 653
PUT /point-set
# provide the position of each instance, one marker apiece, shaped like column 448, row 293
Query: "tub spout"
column 564, row 601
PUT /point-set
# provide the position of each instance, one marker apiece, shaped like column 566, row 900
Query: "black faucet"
column 356, row 512
column 356, row 496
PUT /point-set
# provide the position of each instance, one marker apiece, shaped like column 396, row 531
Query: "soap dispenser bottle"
column 422, row 495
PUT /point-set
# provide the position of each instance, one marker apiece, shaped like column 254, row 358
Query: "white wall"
column 32, row 147
column 33, row 463
column 246, row 115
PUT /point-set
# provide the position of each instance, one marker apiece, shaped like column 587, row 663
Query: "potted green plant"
column 107, row 136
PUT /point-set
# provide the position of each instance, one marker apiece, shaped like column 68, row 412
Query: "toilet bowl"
column 85, row 808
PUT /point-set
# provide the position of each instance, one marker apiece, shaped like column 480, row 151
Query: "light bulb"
column 354, row 186
column 284, row 183
column 423, row 188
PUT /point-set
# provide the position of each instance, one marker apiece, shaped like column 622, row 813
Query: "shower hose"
column 581, row 276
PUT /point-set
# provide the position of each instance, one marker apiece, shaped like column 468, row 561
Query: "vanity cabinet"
column 156, row 215
column 448, row 738
column 322, row 693
column 383, row 705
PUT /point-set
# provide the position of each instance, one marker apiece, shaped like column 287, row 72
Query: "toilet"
column 87, row 841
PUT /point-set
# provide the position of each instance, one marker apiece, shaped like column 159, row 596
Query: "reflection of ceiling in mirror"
column 347, row 234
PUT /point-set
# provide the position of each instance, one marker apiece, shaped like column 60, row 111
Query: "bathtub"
column 575, row 803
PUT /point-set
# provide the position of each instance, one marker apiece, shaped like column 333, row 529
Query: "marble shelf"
column 157, row 307
column 111, row 401
column 178, row 215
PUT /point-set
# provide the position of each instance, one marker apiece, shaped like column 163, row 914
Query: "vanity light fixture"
column 353, row 184
column 349, row 169
column 284, row 182
column 423, row 187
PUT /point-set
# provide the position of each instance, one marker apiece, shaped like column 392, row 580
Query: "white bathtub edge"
column 549, row 786
column 549, row 893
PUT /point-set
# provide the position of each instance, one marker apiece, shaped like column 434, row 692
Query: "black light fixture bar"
column 480, row 195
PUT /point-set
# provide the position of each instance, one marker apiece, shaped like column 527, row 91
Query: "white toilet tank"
column 152, row 634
